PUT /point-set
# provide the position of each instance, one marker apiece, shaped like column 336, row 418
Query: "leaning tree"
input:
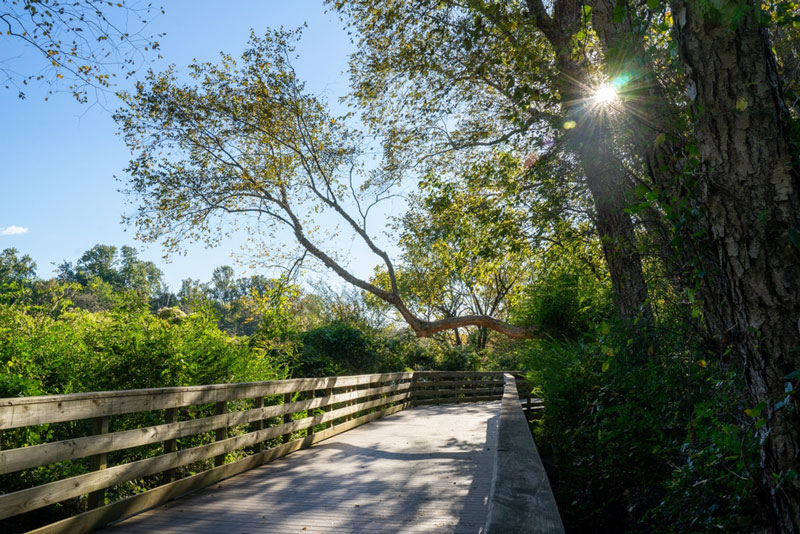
column 245, row 143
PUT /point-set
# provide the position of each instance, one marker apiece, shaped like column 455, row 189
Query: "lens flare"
column 605, row 94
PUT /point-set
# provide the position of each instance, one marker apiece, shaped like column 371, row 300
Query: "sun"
column 605, row 95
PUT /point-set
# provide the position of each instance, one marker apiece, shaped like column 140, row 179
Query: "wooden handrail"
column 520, row 500
column 28, row 411
column 261, row 417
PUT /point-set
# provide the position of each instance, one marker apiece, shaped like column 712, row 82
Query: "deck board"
column 426, row 469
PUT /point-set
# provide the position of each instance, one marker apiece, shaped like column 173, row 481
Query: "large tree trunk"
column 751, row 194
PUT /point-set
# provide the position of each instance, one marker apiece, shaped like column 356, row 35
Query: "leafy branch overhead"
column 81, row 43
column 246, row 143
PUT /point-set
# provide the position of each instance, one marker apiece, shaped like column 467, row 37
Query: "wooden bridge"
column 456, row 455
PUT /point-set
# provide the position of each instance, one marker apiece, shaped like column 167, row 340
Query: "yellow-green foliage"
column 127, row 347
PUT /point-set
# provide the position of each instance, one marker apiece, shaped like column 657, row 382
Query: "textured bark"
column 591, row 141
column 751, row 195
column 604, row 176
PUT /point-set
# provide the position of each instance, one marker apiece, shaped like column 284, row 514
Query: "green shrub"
column 563, row 305
column 642, row 433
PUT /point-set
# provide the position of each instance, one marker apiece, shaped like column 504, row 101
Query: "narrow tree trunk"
column 751, row 194
column 614, row 225
column 591, row 142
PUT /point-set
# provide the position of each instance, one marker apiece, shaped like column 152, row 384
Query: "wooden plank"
column 32, row 498
column 220, row 434
column 170, row 445
column 453, row 400
column 90, row 520
column 459, row 383
column 98, row 462
column 467, row 374
column 28, row 457
column 310, row 411
column 329, row 396
column 459, row 392
column 26, row 411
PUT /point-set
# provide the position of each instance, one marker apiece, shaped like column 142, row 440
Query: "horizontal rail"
column 458, row 392
column 426, row 402
column 28, row 411
column 520, row 499
column 463, row 374
column 459, row 383
column 28, row 457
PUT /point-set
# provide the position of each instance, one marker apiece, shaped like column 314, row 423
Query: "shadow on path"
column 427, row 469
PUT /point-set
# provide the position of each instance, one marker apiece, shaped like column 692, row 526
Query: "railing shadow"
column 352, row 484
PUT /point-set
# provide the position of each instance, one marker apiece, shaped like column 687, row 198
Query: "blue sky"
column 59, row 158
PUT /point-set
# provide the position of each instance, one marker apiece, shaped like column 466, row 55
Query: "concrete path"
column 426, row 469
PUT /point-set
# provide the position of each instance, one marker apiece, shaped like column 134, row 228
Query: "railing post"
column 329, row 393
column 413, row 391
column 98, row 461
column 350, row 402
column 258, row 402
column 287, row 417
column 170, row 445
column 528, row 405
column 310, row 412
column 221, row 433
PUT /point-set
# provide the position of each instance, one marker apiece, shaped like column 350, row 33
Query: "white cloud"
column 14, row 230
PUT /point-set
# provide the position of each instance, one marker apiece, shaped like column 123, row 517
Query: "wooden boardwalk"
column 426, row 469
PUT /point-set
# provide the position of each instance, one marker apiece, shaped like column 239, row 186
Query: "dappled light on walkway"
column 427, row 469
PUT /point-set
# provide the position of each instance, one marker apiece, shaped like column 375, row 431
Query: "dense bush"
column 642, row 432
column 339, row 349
column 120, row 349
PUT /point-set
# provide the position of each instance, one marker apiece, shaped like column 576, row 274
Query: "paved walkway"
column 426, row 469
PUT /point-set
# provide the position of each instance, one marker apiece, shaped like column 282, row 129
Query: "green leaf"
column 605, row 328
column 653, row 4
column 741, row 104
column 794, row 236
column 660, row 138
column 606, row 365
column 756, row 411
column 619, row 13
column 794, row 375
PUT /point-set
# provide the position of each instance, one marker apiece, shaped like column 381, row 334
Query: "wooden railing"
column 443, row 387
column 192, row 437
column 520, row 499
